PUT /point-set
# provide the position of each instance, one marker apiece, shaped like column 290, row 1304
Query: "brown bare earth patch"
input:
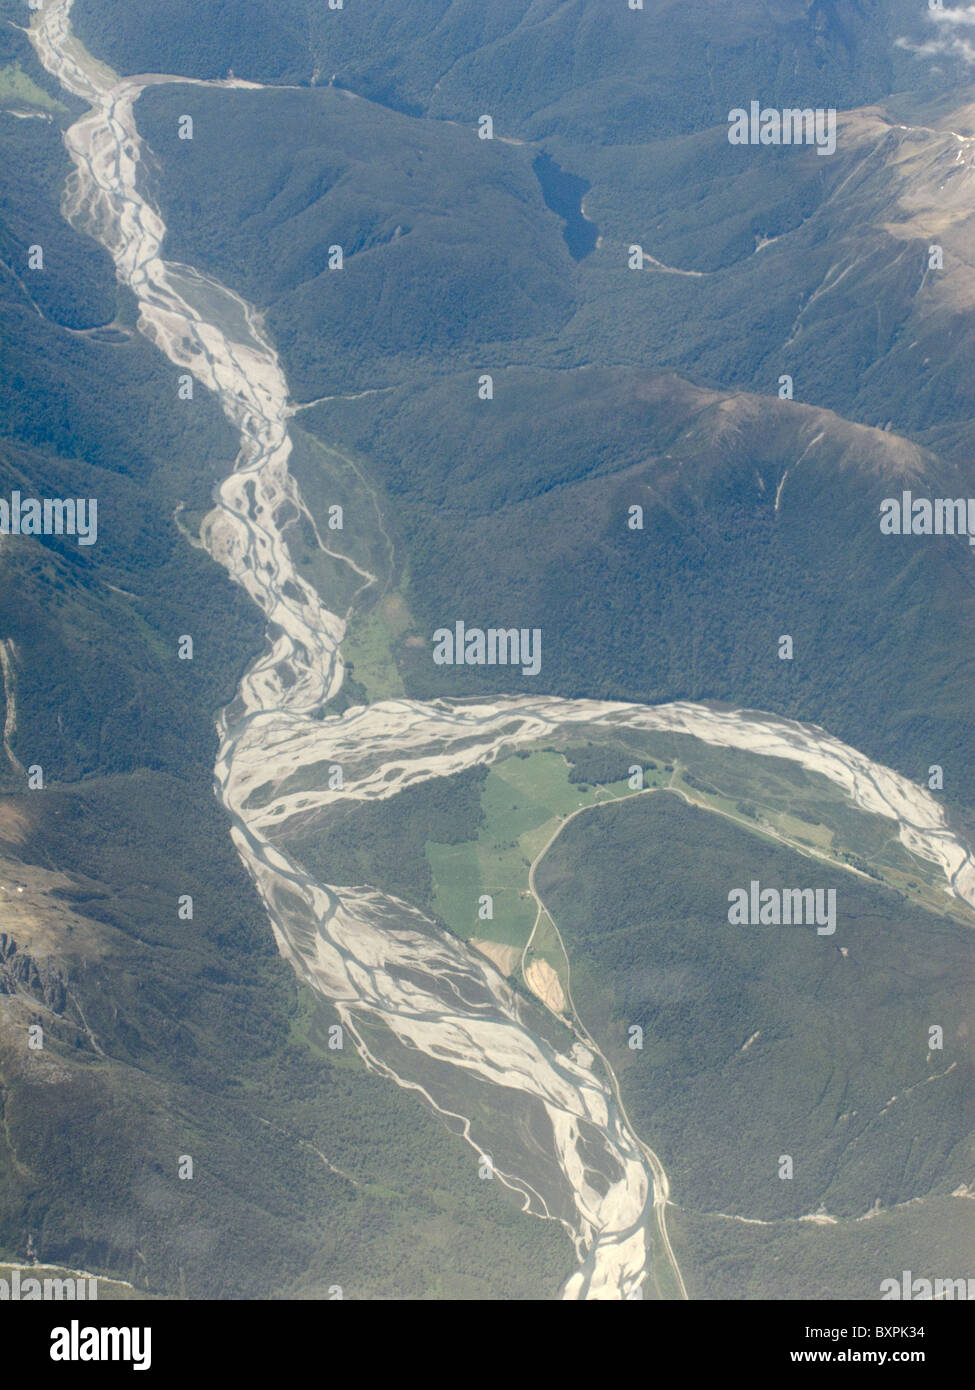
column 543, row 981
column 504, row 957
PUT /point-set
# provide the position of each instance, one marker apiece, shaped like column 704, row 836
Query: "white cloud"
column 953, row 45
column 957, row 17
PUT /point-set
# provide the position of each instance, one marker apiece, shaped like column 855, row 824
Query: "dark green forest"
column 448, row 249
column 583, row 69
column 692, row 606
column 838, row 1035
column 505, row 513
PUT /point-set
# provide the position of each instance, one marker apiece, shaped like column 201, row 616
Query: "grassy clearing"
column 525, row 798
column 16, row 86
column 546, row 946
column 523, row 801
column 369, row 646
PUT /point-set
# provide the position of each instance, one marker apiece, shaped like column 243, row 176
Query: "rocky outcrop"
column 21, row 974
